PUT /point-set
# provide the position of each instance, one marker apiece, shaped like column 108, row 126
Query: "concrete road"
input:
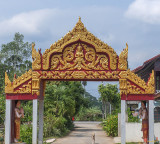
column 82, row 134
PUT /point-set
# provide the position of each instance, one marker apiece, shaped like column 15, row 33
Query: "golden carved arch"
column 79, row 55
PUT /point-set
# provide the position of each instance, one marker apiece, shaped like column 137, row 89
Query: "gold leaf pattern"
column 123, row 63
column 36, row 57
column 80, row 33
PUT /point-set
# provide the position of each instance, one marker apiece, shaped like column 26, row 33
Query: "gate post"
column 151, row 121
column 123, row 121
column 8, row 122
column 41, row 111
column 34, row 123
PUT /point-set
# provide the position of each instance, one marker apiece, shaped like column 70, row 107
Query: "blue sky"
column 115, row 22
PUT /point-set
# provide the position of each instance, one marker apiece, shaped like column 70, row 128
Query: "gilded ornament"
column 8, row 84
column 36, row 57
column 26, row 88
column 79, row 57
column 21, row 84
column 133, row 89
column 133, row 77
column 151, row 84
column 79, row 33
column 123, row 86
column 123, row 62
column 22, row 79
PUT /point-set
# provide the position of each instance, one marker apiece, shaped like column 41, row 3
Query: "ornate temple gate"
column 78, row 56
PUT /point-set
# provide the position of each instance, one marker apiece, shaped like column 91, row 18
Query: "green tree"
column 109, row 93
column 92, row 101
column 62, row 101
column 84, row 83
column 16, row 55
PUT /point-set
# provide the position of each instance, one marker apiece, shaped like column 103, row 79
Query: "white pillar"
column 8, row 122
column 34, row 123
column 123, row 121
column 151, row 122
column 41, row 110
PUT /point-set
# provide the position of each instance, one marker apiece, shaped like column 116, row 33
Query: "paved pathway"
column 83, row 132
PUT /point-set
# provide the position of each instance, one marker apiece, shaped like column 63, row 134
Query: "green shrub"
column 27, row 106
column 131, row 118
column 1, row 136
column 49, row 127
column 26, row 133
column 110, row 125
column 2, row 109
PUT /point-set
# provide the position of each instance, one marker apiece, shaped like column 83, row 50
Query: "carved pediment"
column 77, row 35
column 135, row 85
column 80, row 56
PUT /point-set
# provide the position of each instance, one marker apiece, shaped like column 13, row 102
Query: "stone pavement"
column 83, row 132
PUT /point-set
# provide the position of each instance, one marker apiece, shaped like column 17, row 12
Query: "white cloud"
column 28, row 23
column 145, row 10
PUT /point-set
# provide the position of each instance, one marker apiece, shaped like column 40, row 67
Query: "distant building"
column 144, row 72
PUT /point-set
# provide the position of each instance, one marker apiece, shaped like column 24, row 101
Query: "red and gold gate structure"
column 78, row 56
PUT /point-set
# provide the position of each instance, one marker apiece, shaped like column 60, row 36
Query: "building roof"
column 146, row 62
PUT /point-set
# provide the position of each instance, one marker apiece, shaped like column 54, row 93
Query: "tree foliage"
column 15, row 56
column 62, row 101
column 109, row 93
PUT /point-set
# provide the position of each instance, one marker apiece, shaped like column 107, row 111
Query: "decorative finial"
column 33, row 45
column 79, row 19
column 127, row 45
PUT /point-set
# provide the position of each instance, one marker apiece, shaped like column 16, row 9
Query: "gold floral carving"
column 79, row 33
column 123, row 63
column 36, row 86
column 79, row 75
column 25, row 88
column 133, row 77
column 123, row 86
column 19, row 85
column 36, row 57
column 151, row 84
column 136, row 85
column 133, row 89
column 22, row 79
column 8, row 85
column 79, row 56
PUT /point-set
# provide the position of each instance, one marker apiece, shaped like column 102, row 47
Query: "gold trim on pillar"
column 36, row 86
column 123, row 86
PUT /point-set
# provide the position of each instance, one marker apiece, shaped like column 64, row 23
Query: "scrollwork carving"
column 36, row 57
column 79, row 57
column 123, row 63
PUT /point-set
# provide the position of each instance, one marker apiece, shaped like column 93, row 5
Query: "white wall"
column 157, row 130
column 134, row 133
